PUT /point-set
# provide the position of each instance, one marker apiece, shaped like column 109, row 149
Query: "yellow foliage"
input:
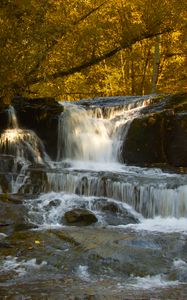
column 42, row 38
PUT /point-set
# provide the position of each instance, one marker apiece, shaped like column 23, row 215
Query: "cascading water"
column 87, row 135
column 89, row 144
column 90, row 137
column 137, row 247
column 24, row 146
column 84, row 137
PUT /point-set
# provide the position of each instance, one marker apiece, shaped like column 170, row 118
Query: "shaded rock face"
column 144, row 142
column 176, row 140
column 79, row 217
column 41, row 116
column 159, row 135
column 4, row 183
column 3, row 117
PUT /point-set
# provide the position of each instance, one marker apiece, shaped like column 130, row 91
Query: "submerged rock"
column 79, row 217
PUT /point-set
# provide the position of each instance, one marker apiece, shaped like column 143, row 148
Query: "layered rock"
column 159, row 135
column 41, row 116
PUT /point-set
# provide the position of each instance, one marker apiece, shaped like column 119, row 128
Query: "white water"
column 24, row 146
column 83, row 137
column 151, row 282
column 88, row 136
column 20, row 267
column 90, row 142
column 161, row 225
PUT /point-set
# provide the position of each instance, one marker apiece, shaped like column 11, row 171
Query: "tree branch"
column 55, row 42
column 98, row 59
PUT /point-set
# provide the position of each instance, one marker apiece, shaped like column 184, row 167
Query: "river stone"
column 80, row 216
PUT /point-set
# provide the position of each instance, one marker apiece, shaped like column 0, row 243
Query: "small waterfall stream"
column 25, row 148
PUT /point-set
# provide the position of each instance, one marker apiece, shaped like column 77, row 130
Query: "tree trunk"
column 156, row 64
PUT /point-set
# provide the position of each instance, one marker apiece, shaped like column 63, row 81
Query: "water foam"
column 162, row 225
column 20, row 267
column 151, row 282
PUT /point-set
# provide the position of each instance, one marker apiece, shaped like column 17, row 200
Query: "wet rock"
column 41, row 116
column 116, row 215
column 52, row 203
column 55, row 203
column 7, row 163
column 111, row 207
column 36, row 181
column 11, row 214
column 80, row 216
column 4, row 183
column 145, row 140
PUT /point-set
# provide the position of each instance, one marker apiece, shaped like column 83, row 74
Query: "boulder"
column 79, row 217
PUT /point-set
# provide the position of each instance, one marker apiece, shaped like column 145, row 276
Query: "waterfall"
column 156, row 197
column 84, row 137
column 12, row 118
column 21, row 143
column 23, row 146
column 88, row 161
column 95, row 134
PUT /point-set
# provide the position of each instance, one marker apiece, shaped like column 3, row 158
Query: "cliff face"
column 159, row 135
column 41, row 116
column 3, row 117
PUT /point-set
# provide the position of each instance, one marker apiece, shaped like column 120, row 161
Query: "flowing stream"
column 137, row 247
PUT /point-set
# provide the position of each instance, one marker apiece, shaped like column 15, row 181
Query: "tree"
column 48, row 45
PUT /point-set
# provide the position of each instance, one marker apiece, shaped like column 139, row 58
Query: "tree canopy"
column 81, row 48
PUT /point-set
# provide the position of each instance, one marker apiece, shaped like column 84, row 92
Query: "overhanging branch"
column 96, row 60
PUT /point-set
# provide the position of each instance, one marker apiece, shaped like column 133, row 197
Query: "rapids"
column 137, row 247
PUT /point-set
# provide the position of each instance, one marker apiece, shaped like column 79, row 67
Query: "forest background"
column 72, row 49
